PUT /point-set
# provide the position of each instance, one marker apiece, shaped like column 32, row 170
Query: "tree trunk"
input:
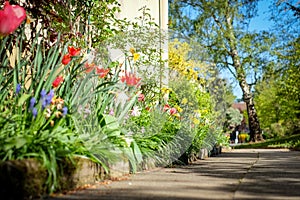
column 254, row 126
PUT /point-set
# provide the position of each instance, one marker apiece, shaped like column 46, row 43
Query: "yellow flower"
column 184, row 101
column 58, row 114
column 178, row 108
column 196, row 121
column 48, row 113
column 177, row 115
column 132, row 50
column 136, row 56
column 165, row 90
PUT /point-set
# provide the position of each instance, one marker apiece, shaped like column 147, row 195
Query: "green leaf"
column 110, row 125
column 22, row 99
column 137, row 152
column 16, row 142
column 20, row 142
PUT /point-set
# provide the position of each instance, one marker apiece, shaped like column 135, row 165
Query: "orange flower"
column 132, row 50
column 57, row 81
column 66, row 59
column 89, row 67
column 73, row 51
column 130, row 79
column 102, row 72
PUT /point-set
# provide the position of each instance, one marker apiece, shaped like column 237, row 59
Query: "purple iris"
column 44, row 103
column 50, row 96
column 65, row 111
column 46, row 99
column 34, row 112
column 32, row 102
column 18, row 88
column 43, row 93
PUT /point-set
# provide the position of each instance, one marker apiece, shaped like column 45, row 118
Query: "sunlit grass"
column 290, row 142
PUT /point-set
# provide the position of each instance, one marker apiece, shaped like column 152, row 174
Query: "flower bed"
column 71, row 115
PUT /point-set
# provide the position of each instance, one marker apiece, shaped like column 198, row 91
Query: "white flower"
column 128, row 140
column 136, row 111
column 166, row 97
column 207, row 121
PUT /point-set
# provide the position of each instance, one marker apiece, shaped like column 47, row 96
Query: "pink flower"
column 141, row 97
column 111, row 112
column 130, row 79
column 173, row 111
column 166, row 107
column 10, row 18
column 57, row 81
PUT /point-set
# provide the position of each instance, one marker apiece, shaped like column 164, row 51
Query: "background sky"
column 259, row 23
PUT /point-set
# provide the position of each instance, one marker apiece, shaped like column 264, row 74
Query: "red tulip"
column 66, row 59
column 102, row 72
column 57, row 81
column 10, row 18
column 130, row 79
column 73, row 51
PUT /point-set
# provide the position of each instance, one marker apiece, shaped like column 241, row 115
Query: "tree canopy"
column 221, row 29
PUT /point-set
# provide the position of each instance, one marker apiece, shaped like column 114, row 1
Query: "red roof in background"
column 241, row 106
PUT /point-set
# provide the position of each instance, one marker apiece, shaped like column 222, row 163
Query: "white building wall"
column 158, row 9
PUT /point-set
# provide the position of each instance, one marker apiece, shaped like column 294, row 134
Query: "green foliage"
column 220, row 28
column 184, row 60
column 233, row 119
column 33, row 121
column 91, row 115
column 191, row 78
column 87, row 23
column 277, row 95
column 23, row 133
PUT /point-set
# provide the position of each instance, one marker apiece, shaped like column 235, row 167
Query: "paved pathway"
column 238, row 174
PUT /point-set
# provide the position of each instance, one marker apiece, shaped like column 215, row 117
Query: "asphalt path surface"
column 235, row 174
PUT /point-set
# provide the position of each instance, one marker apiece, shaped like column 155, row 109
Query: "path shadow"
column 275, row 174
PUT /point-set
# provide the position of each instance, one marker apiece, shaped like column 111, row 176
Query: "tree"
column 277, row 94
column 220, row 28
